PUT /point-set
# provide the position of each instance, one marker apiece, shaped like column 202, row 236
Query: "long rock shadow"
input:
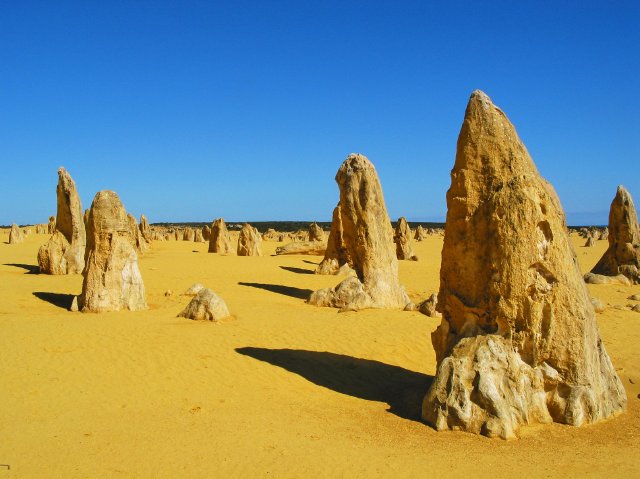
column 401, row 389
column 297, row 270
column 60, row 300
column 281, row 289
column 31, row 268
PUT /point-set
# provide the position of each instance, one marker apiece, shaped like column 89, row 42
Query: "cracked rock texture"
column 518, row 342
column 112, row 279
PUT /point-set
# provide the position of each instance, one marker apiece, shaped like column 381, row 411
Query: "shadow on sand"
column 31, row 268
column 281, row 289
column 297, row 270
column 60, row 300
column 310, row 262
column 401, row 389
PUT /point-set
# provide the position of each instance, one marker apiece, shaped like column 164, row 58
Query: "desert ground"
column 284, row 390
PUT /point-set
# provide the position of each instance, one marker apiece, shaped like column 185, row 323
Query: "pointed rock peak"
column 623, row 255
column 518, row 342
column 623, row 194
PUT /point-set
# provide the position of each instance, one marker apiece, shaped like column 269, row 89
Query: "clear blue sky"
column 197, row 109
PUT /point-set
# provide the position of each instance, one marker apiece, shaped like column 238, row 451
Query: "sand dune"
column 284, row 390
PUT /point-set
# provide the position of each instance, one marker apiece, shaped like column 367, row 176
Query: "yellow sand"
column 285, row 390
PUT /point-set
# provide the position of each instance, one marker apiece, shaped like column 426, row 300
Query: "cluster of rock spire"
column 518, row 341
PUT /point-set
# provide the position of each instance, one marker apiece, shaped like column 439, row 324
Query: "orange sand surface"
column 284, row 390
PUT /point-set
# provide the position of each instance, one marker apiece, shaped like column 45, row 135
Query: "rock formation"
column 249, row 241
column 303, row 247
column 402, row 239
column 64, row 252
column 590, row 242
column 336, row 254
column 145, row 229
column 189, row 234
column 219, row 241
column 623, row 254
column 368, row 239
column 197, row 237
column 206, row 232
column 112, row 279
column 429, row 306
column 315, row 233
column 15, row 235
column 270, row 235
column 206, row 306
column 518, row 342
column 51, row 227
column 137, row 239
column 421, row 234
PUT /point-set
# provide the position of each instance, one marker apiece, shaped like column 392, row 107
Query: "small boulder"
column 598, row 305
column 206, row 306
column 428, row 306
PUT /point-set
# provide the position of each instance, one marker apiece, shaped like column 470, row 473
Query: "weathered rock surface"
column 198, row 238
column 303, row 247
column 518, row 342
column 429, row 306
column 368, row 239
column 402, row 239
column 139, row 242
column 219, row 241
column 15, row 234
column 206, row 232
column 421, row 234
column 336, row 254
column 194, row 289
column 249, row 241
column 271, row 235
column 623, row 254
column 112, row 279
column 51, row 227
column 316, row 233
column 145, row 229
column 598, row 305
column 206, row 306
column 189, row 234
column 590, row 242
column 593, row 278
column 64, row 252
